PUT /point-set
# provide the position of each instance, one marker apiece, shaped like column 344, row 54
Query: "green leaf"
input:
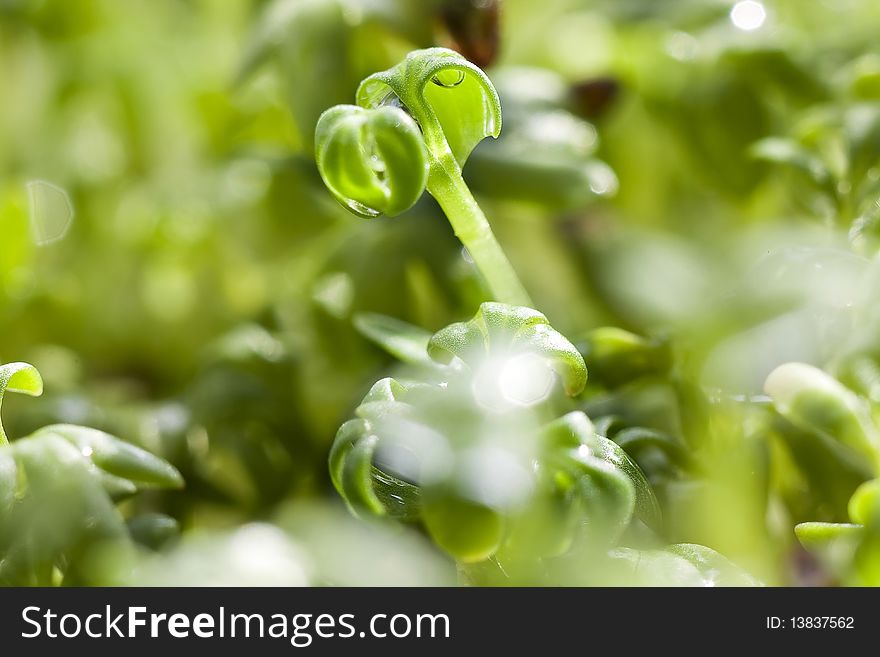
column 374, row 161
column 22, row 378
column 717, row 569
column 634, row 439
column 615, row 356
column 153, row 530
column 117, row 457
column 357, row 477
column 833, row 544
column 647, row 509
column 468, row 531
column 61, row 509
column 864, row 505
column 349, row 434
column 363, row 485
column 606, row 495
column 453, row 101
column 813, row 400
column 780, row 150
column 404, row 341
column 503, row 330
column 567, row 435
column 680, row 565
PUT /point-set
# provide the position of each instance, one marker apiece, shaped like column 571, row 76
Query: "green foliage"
column 692, row 205
column 374, row 161
column 421, row 451
column 454, row 106
column 22, row 378
column 57, row 488
column 453, row 101
column 812, row 400
column 510, row 331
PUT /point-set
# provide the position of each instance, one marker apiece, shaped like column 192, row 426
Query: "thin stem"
column 471, row 227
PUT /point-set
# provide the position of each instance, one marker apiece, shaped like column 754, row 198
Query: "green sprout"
column 385, row 461
column 477, row 448
column 412, row 129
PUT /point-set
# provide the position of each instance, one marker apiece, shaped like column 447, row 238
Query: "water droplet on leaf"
column 449, row 78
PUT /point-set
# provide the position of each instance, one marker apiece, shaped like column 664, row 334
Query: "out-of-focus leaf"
column 833, row 544
column 153, row 530
column 717, row 569
column 614, row 356
column 62, row 511
column 467, row 530
column 117, row 457
column 864, row 505
column 546, row 155
column 255, row 554
column 789, row 152
column 813, row 400
column 404, row 341
column 681, row 565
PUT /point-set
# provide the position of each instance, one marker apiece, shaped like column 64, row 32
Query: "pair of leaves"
column 376, row 156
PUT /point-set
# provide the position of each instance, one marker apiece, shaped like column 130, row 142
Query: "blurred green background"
column 173, row 265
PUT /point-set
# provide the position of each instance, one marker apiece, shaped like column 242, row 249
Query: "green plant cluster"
column 586, row 291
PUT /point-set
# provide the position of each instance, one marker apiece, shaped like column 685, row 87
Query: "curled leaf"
column 503, row 330
column 574, row 430
column 374, row 161
column 453, row 101
column 346, row 438
column 22, row 378
column 357, row 484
